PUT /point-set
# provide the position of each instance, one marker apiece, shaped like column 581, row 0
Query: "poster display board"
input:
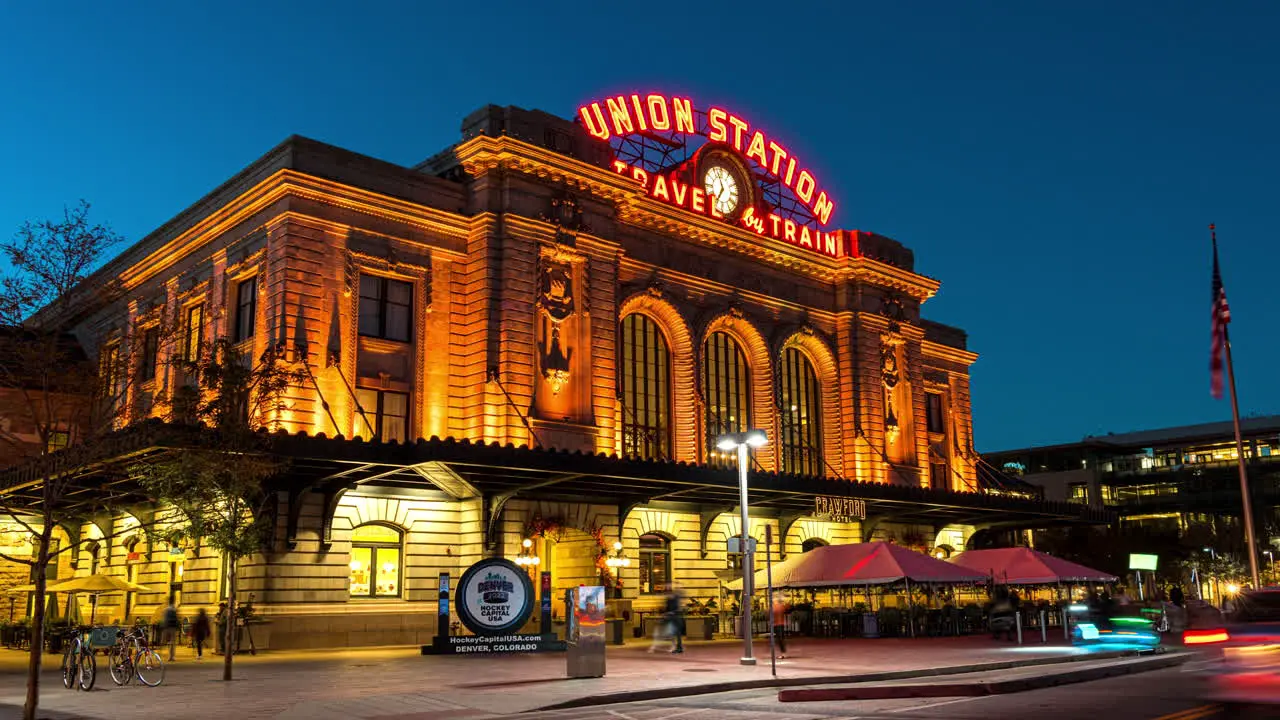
column 585, row 657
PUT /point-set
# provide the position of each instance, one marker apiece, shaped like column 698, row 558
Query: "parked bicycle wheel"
column 88, row 670
column 149, row 667
column 69, row 666
column 121, row 664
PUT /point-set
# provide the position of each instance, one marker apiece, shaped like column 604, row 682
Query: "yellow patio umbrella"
column 97, row 585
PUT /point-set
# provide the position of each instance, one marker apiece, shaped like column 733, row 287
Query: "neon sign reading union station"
column 739, row 174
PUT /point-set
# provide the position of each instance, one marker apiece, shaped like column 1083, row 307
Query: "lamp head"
column 617, row 545
column 756, row 438
column 527, row 542
column 728, row 442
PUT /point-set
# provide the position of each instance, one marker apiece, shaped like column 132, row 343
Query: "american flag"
column 1221, row 316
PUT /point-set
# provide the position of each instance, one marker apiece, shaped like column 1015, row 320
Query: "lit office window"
column 386, row 308
column 387, row 412
column 246, row 309
column 375, row 561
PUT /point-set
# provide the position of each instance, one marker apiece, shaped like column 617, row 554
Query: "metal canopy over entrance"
column 452, row 469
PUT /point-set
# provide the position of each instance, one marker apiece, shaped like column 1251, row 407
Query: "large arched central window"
column 726, row 382
column 375, row 561
column 646, row 389
column 801, row 415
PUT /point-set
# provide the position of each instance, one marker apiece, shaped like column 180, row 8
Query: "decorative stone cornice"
column 291, row 183
column 938, row 351
column 874, row 272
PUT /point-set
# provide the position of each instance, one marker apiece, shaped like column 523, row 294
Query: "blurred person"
column 200, row 632
column 779, row 622
column 169, row 628
column 670, row 630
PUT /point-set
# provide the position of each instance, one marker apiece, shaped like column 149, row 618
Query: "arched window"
column 726, row 382
column 375, row 561
column 95, row 556
column 132, row 558
column 646, row 389
column 655, row 563
column 801, row 415
column 811, row 544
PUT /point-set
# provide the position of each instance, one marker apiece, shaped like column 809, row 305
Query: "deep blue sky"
column 1054, row 167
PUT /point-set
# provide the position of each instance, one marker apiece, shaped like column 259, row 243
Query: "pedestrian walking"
column 200, row 632
column 220, row 624
column 669, row 632
column 169, row 627
column 780, row 623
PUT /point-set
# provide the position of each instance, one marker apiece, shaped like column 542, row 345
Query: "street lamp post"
column 742, row 442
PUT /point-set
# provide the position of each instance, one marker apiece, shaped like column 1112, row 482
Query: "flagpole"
column 1240, row 462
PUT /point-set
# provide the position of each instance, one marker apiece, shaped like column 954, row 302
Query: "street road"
column 1161, row 695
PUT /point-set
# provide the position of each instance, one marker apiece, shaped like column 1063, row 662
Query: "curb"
column 728, row 686
column 977, row 689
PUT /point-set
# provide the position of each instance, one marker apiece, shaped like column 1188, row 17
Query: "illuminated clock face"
column 721, row 183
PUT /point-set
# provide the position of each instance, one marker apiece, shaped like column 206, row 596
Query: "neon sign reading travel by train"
column 690, row 197
column 654, row 113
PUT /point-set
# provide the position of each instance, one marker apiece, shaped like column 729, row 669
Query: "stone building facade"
column 517, row 290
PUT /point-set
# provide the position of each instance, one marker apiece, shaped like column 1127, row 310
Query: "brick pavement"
column 401, row 684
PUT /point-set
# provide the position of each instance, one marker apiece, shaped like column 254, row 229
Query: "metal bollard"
column 1044, row 627
column 1017, row 621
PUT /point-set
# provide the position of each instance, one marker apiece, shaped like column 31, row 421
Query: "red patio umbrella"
column 874, row 563
column 1024, row 566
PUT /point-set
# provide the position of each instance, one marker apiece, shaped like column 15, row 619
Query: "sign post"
column 544, row 625
column 442, row 608
column 1139, row 562
column 768, row 598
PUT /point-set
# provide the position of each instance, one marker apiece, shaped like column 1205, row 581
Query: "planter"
column 700, row 627
column 870, row 625
column 613, row 631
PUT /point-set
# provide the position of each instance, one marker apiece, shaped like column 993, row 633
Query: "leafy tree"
column 59, row 405
column 219, row 485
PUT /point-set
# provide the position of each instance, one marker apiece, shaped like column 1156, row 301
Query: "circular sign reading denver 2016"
column 494, row 597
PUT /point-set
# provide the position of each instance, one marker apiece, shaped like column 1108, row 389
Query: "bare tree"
column 219, row 486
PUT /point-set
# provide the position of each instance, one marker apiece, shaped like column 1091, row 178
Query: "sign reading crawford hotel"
column 839, row 509
column 728, row 177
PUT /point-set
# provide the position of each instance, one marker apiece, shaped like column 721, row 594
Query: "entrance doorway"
column 572, row 554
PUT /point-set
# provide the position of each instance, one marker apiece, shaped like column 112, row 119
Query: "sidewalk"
column 385, row 683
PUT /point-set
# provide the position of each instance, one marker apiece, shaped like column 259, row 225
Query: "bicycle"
column 132, row 656
column 79, row 668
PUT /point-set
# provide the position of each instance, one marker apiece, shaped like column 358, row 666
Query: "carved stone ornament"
column 889, row 370
column 556, row 292
column 891, row 307
column 350, row 276
column 656, row 288
column 565, row 213
column 556, row 304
